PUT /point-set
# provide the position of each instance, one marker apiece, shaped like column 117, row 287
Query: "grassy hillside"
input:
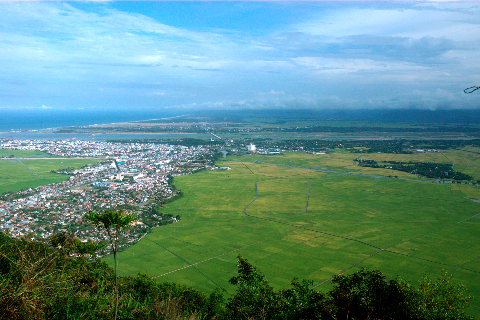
column 40, row 282
column 356, row 217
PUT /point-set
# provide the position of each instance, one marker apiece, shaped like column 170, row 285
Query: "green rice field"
column 312, row 217
column 33, row 168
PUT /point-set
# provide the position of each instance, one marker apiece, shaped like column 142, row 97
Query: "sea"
column 42, row 124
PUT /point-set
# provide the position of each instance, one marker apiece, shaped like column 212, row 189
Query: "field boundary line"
column 433, row 231
column 354, row 174
column 366, row 243
column 431, row 261
column 256, row 197
column 308, row 196
column 193, row 265
column 28, row 168
column 317, row 231
column 409, row 256
column 217, row 256
column 398, row 253
column 248, row 168
column 299, row 227
column 348, row 268
column 142, row 236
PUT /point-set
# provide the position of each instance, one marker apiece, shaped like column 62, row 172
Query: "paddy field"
column 315, row 216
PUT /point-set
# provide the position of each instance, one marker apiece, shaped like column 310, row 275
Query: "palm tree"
column 114, row 222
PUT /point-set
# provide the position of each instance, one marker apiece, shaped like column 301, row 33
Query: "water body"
column 41, row 119
column 50, row 135
column 15, row 122
column 41, row 124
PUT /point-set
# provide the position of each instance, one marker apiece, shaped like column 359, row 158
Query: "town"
column 132, row 177
column 136, row 176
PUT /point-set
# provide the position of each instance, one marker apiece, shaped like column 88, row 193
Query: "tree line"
column 424, row 169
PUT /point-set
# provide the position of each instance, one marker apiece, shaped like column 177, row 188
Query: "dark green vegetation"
column 362, row 295
column 313, row 217
column 41, row 282
column 424, row 169
column 154, row 216
column 20, row 174
column 38, row 282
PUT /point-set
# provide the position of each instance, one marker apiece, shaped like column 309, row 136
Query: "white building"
column 251, row 148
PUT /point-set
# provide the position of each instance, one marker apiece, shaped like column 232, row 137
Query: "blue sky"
column 218, row 55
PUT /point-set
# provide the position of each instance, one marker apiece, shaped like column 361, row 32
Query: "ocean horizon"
column 14, row 120
column 40, row 123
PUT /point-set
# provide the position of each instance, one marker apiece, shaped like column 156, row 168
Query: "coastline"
column 49, row 120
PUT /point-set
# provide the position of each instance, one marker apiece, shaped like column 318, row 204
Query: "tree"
column 441, row 299
column 68, row 244
column 367, row 294
column 255, row 298
column 114, row 222
column 303, row 302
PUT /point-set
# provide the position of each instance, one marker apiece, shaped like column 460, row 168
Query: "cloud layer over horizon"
column 193, row 55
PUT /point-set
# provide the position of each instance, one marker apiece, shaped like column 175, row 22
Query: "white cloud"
column 345, row 66
column 272, row 92
column 100, row 55
column 453, row 21
column 67, row 34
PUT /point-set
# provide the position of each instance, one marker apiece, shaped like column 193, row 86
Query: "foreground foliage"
column 114, row 222
column 362, row 295
column 40, row 282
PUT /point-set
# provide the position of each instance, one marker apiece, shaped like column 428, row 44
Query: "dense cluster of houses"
column 130, row 177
